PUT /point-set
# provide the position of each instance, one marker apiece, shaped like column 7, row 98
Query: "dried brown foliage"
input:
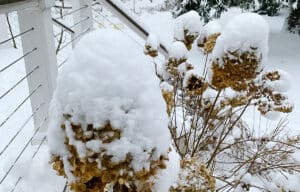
column 92, row 177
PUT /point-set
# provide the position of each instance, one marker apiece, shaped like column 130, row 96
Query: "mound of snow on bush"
column 109, row 78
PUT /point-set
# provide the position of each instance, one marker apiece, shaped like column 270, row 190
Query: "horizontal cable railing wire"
column 20, row 129
column 15, row 36
column 20, row 105
column 20, row 81
column 17, row 60
column 112, row 23
column 72, row 12
column 33, row 156
column 62, row 63
column 39, row 146
column 70, row 28
column 16, row 184
column 21, row 153
column 62, row 25
column 75, row 38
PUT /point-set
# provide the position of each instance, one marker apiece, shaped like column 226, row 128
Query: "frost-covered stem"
column 184, row 119
column 226, row 134
column 223, row 180
column 195, row 126
column 206, row 123
column 197, row 119
column 156, row 71
column 173, row 128
column 205, row 66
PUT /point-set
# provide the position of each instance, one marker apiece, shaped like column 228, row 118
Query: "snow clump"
column 244, row 32
column 108, row 108
column 190, row 22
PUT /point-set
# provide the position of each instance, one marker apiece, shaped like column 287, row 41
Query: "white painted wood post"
column 42, row 39
column 4, row 31
column 85, row 14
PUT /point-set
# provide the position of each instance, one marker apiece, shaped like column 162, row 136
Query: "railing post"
column 85, row 14
column 41, row 39
column 3, row 31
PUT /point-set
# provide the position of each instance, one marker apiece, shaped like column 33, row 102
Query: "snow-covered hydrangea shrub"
column 152, row 45
column 108, row 121
column 270, row 92
column 208, row 120
column 208, row 36
column 238, row 53
column 187, row 28
column 178, row 55
column 168, row 94
column 194, row 83
column 238, row 59
column 194, row 177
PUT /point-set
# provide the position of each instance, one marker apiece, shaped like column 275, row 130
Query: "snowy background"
column 32, row 173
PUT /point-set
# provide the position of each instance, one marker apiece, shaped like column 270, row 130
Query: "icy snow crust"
column 108, row 80
column 233, row 38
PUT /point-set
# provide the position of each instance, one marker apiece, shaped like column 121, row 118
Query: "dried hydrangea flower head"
column 194, row 83
column 208, row 36
column 194, row 177
column 269, row 90
column 178, row 55
column 168, row 94
column 107, row 134
column 237, row 69
column 152, row 45
column 234, row 98
column 240, row 52
column 187, row 28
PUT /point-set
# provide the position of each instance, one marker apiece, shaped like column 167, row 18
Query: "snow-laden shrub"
column 239, row 50
column 152, row 45
column 207, row 110
column 187, row 28
column 208, row 36
column 108, row 125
